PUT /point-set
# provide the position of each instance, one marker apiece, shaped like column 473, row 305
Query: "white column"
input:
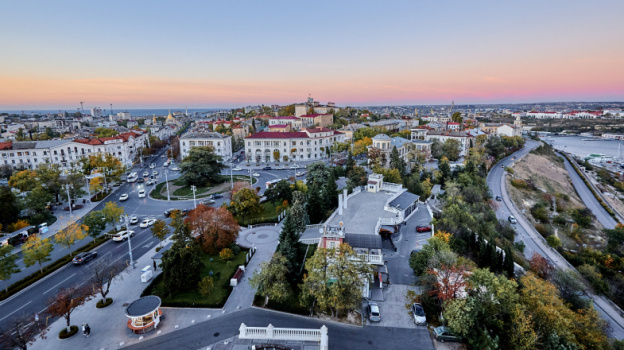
column 324, row 338
column 345, row 195
column 242, row 331
column 340, row 204
column 270, row 331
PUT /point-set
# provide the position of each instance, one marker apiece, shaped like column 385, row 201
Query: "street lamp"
column 129, row 244
column 167, row 183
column 88, row 185
column 193, row 188
column 69, row 199
column 231, row 176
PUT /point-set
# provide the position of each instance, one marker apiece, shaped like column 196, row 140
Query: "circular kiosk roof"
column 143, row 306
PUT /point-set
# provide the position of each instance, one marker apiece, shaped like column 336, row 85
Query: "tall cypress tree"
column 350, row 162
column 508, row 265
column 289, row 244
column 330, row 193
column 314, row 208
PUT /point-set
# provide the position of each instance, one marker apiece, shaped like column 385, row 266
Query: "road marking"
column 148, row 245
column 16, row 310
column 72, row 275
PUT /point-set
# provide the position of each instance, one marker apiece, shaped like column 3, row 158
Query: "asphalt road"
column 588, row 198
column 343, row 337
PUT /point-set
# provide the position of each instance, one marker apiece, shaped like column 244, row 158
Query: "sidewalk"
column 64, row 218
column 108, row 325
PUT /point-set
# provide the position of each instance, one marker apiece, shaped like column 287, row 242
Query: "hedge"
column 64, row 334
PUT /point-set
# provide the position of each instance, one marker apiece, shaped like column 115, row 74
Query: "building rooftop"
column 203, row 135
column 358, row 240
column 363, row 211
column 278, row 135
column 381, row 137
column 404, row 200
column 398, row 141
column 51, row 143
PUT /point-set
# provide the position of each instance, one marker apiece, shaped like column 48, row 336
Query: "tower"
column 518, row 122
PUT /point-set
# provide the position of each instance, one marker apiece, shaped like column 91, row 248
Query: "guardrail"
column 273, row 333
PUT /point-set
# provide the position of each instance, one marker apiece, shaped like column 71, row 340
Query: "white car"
column 147, row 223
column 134, row 220
column 142, row 193
column 300, row 173
column 294, row 167
column 122, row 236
column 237, row 169
column 419, row 314
column 145, row 173
column 155, row 172
column 152, row 166
column 175, row 168
column 256, row 174
column 123, row 197
column 149, row 182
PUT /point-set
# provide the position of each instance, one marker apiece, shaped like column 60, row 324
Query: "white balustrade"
column 273, row 333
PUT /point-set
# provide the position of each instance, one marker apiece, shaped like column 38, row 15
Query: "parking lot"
column 393, row 309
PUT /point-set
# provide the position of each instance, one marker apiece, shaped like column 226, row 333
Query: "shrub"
column 559, row 220
column 540, row 212
column 544, row 230
column 583, row 217
column 206, row 285
column 226, row 254
column 509, row 170
column 64, row 334
column 553, row 241
column 104, row 303
column 517, row 183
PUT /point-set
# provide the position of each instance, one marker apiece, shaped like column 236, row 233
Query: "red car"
column 423, row 228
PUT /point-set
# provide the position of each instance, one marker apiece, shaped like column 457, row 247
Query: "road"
column 33, row 299
column 341, row 336
column 588, row 198
column 533, row 242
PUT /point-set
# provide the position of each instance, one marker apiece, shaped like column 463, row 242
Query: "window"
column 183, row 143
column 19, row 154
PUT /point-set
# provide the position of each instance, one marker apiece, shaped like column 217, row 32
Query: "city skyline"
column 212, row 55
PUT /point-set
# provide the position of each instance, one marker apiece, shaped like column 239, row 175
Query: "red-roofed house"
column 308, row 144
column 452, row 126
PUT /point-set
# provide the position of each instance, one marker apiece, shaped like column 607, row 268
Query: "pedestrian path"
column 108, row 326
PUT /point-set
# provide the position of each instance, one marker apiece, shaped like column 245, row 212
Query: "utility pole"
column 69, row 200
column 129, row 244
column 167, row 183
column 193, row 188
column 231, row 176
column 88, row 187
column 250, row 178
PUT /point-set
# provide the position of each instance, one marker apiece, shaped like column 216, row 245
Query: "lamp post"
column 231, row 176
column 69, row 200
column 129, row 244
column 193, row 188
column 167, row 183
column 88, row 185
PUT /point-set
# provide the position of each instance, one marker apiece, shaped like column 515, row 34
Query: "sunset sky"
column 171, row 54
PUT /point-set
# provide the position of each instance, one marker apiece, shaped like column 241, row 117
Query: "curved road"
column 534, row 243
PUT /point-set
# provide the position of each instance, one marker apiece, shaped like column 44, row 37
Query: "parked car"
column 134, row 220
column 122, row 236
column 123, row 197
column 499, row 198
column 512, row 219
column 373, row 312
column 423, row 228
column 294, row 167
column 216, row 196
column 175, row 168
column 145, row 173
column 142, row 193
column 443, row 334
column 267, row 168
column 147, row 222
column 237, row 169
column 83, row 258
column 419, row 314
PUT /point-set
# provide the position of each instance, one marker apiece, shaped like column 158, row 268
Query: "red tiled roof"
column 278, row 135
column 452, row 123
column 6, row 145
column 313, row 115
column 315, row 130
column 278, row 126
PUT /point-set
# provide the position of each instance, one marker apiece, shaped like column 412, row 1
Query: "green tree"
column 330, row 193
column 314, row 204
column 112, row 212
column 160, row 230
column 36, row 250
column 181, row 265
column 451, row 149
column 436, row 149
column 350, row 162
column 94, row 223
column 420, row 261
column 279, row 192
column 289, row 244
column 67, row 237
column 201, row 167
column 206, row 286
column 390, row 175
column 298, row 211
column 396, row 162
column 24, row 180
column 270, row 280
column 37, row 198
column 49, row 175
column 356, row 177
column 9, row 209
column 7, row 265
column 245, row 202
column 105, row 132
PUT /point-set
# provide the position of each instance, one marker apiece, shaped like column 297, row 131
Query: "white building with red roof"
column 308, row 144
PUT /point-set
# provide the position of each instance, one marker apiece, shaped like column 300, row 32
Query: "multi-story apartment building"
column 309, row 144
column 316, row 120
column 222, row 144
column 385, row 144
column 461, row 136
column 67, row 153
column 295, row 123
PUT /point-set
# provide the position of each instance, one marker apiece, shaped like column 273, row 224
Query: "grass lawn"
column 222, row 272
column 186, row 191
column 268, row 214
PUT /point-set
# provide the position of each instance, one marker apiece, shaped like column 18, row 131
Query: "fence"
column 272, row 333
